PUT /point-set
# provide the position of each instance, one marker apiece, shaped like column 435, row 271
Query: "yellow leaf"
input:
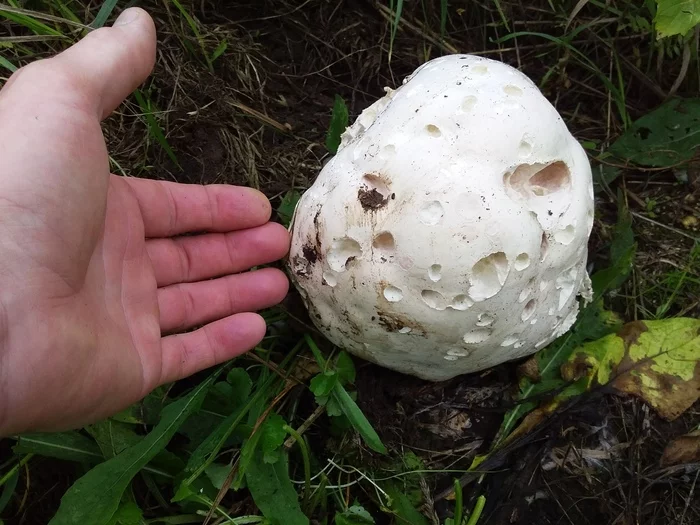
column 657, row 361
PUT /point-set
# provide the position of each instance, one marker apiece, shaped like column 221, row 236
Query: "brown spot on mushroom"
column 374, row 192
column 371, row 199
column 301, row 266
column 394, row 322
column 310, row 253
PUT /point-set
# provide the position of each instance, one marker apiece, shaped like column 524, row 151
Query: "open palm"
column 97, row 281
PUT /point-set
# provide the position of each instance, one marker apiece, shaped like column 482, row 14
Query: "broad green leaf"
column 241, row 383
column 273, row 492
column 217, row 474
column 323, row 384
column 355, row 515
column 113, row 436
column 658, row 361
column 248, row 453
column 604, row 175
column 676, row 17
column 95, row 497
column 667, row 136
column 358, row 419
column 8, row 489
column 128, row 513
column 206, row 453
column 273, row 435
column 203, row 454
column 339, row 121
column 70, row 446
column 401, row 506
column 345, row 368
column 333, row 408
column 287, row 206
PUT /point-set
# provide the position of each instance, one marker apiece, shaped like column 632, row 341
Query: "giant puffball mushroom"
column 449, row 233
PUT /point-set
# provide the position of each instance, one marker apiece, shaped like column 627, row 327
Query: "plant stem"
column 307, row 463
column 478, row 509
column 14, row 469
column 458, row 502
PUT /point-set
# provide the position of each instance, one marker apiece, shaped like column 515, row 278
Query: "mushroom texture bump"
column 449, row 233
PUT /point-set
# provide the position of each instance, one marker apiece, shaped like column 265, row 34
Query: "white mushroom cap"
column 449, row 233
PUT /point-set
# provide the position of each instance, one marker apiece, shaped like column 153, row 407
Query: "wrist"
column 4, row 394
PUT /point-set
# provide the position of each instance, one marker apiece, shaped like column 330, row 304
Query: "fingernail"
column 126, row 17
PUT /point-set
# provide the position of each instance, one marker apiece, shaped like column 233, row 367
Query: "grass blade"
column 8, row 65
column 395, row 25
column 358, row 419
column 443, row 18
column 103, row 14
column 153, row 126
column 95, row 497
column 339, row 121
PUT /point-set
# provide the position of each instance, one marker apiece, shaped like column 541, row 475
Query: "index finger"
column 170, row 208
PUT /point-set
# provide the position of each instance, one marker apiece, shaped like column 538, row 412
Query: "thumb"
column 112, row 62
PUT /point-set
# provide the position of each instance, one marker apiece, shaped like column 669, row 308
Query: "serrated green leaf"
column 323, row 384
column 333, row 409
column 358, row 419
column 668, row 136
column 355, row 515
column 339, row 121
column 70, row 446
column 273, row 492
column 676, row 17
column 273, row 434
column 95, row 497
column 345, row 368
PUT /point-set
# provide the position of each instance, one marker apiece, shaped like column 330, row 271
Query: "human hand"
column 95, row 283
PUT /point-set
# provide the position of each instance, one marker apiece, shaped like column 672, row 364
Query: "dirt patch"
column 371, row 199
column 434, row 419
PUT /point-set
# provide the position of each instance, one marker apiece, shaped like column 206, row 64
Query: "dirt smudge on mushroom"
column 393, row 322
column 374, row 192
column 311, row 253
column 371, row 199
